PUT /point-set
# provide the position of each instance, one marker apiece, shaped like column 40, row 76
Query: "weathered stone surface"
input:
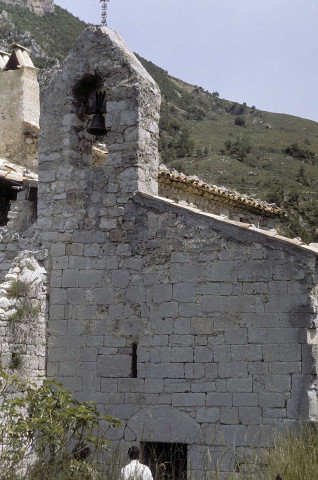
column 19, row 107
column 164, row 422
column 216, row 321
column 23, row 316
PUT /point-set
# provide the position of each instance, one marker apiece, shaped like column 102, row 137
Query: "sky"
column 262, row 52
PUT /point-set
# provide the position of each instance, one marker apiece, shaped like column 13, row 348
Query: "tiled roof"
column 194, row 186
column 15, row 174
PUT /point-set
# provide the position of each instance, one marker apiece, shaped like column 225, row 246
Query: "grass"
column 18, row 289
column 23, row 312
column 295, row 455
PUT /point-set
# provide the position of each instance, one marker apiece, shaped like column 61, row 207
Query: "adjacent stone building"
column 19, row 108
column 23, row 290
column 173, row 304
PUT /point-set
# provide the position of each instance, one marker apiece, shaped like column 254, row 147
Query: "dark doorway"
column 6, row 196
column 167, row 461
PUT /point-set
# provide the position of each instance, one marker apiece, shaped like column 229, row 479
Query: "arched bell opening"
column 85, row 89
column 90, row 98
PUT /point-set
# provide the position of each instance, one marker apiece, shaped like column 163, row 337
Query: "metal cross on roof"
column 104, row 11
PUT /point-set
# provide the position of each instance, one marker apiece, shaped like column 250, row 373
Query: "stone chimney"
column 19, row 108
column 4, row 57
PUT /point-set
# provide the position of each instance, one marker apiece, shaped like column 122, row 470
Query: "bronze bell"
column 98, row 127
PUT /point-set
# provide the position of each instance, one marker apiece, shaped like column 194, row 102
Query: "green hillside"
column 55, row 32
column 267, row 155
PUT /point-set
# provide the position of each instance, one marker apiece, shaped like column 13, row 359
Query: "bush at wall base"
column 46, row 434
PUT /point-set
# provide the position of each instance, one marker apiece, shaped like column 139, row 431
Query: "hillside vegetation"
column 266, row 155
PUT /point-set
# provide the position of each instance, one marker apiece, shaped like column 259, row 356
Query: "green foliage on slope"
column 267, row 155
column 54, row 32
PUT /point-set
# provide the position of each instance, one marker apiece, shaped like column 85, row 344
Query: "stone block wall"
column 19, row 103
column 23, row 316
column 23, row 308
column 20, row 232
column 189, row 329
column 8, row 251
column 222, row 319
column 31, row 134
column 100, row 61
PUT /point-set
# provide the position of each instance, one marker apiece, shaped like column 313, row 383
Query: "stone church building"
column 173, row 304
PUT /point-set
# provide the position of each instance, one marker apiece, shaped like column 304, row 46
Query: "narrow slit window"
column 134, row 361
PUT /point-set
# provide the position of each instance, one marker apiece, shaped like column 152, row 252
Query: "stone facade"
column 19, row 112
column 22, row 313
column 22, row 272
column 23, row 316
column 189, row 327
column 20, row 232
column 39, row 7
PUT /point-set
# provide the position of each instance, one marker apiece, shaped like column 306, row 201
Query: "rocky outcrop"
column 39, row 7
column 9, row 34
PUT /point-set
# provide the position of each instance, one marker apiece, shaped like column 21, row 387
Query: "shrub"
column 18, row 289
column 294, row 197
column 24, row 311
column 275, row 194
column 240, row 121
column 296, row 151
column 48, row 432
column 184, row 145
column 238, row 149
column 236, row 109
column 301, row 176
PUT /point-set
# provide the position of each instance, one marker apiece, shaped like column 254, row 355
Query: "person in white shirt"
column 135, row 470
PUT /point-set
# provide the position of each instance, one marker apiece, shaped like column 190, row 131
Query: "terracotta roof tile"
column 195, row 186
